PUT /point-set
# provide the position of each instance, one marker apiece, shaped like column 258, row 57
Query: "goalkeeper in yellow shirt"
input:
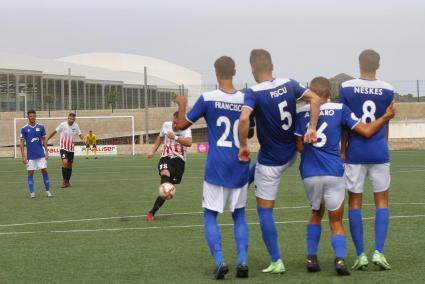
column 91, row 143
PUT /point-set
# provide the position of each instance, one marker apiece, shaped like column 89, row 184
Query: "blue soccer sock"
column 252, row 173
column 356, row 229
column 382, row 219
column 339, row 244
column 213, row 235
column 46, row 181
column 269, row 232
column 313, row 238
column 31, row 184
column 241, row 234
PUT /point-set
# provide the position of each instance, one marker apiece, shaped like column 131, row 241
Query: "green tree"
column 49, row 99
column 111, row 99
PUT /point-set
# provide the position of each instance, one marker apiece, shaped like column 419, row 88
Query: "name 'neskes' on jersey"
column 33, row 139
column 274, row 108
column 221, row 111
column 323, row 157
column 368, row 99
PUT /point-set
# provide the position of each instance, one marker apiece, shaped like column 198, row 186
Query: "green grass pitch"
column 96, row 231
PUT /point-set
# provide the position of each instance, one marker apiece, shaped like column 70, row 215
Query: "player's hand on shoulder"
column 310, row 136
column 181, row 100
column 171, row 135
column 390, row 113
column 244, row 154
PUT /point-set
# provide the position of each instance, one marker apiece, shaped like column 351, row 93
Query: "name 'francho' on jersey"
column 323, row 157
column 221, row 111
column 368, row 99
column 173, row 148
column 274, row 108
column 33, row 139
column 67, row 134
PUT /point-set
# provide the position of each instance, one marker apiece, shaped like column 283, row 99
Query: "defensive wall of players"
column 407, row 130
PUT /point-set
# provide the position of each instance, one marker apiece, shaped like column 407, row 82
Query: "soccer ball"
column 166, row 190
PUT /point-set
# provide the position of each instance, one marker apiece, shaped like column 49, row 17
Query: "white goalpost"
column 110, row 131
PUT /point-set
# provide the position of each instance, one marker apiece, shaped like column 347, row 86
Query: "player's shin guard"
column 46, row 181
column 356, row 229
column 31, row 184
column 165, row 178
column 69, row 173
column 339, row 244
column 213, row 235
column 382, row 219
column 94, row 151
column 269, row 232
column 64, row 173
column 158, row 203
column 240, row 231
column 87, row 152
column 313, row 237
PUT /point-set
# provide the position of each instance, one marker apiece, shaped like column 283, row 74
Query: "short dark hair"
column 176, row 114
column 225, row 67
column 369, row 60
column 321, row 86
column 261, row 60
column 31, row 111
column 72, row 114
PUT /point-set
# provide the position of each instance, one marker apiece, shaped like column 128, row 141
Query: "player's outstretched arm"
column 51, row 135
column 243, row 134
column 158, row 142
column 313, row 99
column 22, row 146
column 367, row 130
column 82, row 137
column 182, row 122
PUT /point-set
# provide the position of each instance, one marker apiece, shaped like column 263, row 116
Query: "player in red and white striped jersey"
column 173, row 157
column 68, row 131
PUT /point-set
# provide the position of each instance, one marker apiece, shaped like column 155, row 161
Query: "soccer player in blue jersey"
column 322, row 169
column 273, row 103
column 368, row 98
column 226, row 178
column 33, row 136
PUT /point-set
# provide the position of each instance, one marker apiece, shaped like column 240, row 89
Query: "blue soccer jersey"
column 33, row 139
column 323, row 157
column 221, row 112
column 274, row 108
column 369, row 101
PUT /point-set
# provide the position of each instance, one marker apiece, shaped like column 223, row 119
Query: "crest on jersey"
column 37, row 129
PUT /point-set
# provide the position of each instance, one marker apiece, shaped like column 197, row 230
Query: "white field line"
column 176, row 227
column 156, row 178
column 169, row 214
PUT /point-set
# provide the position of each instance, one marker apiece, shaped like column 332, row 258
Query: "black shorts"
column 174, row 165
column 88, row 146
column 65, row 155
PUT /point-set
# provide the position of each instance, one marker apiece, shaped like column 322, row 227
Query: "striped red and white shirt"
column 173, row 148
column 67, row 134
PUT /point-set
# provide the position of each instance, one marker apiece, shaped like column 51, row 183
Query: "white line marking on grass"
column 177, row 226
column 93, row 181
column 170, row 214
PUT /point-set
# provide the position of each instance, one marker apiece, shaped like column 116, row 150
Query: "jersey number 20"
column 223, row 142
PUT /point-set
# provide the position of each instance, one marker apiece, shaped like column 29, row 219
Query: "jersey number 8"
column 223, row 142
column 369, row 109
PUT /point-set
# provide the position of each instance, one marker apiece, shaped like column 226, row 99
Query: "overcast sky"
column 306, row 38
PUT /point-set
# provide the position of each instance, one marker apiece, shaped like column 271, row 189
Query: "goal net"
column 114, row 134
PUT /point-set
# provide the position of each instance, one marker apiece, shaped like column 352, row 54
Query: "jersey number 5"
column 285, row 115
column 223, row 142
